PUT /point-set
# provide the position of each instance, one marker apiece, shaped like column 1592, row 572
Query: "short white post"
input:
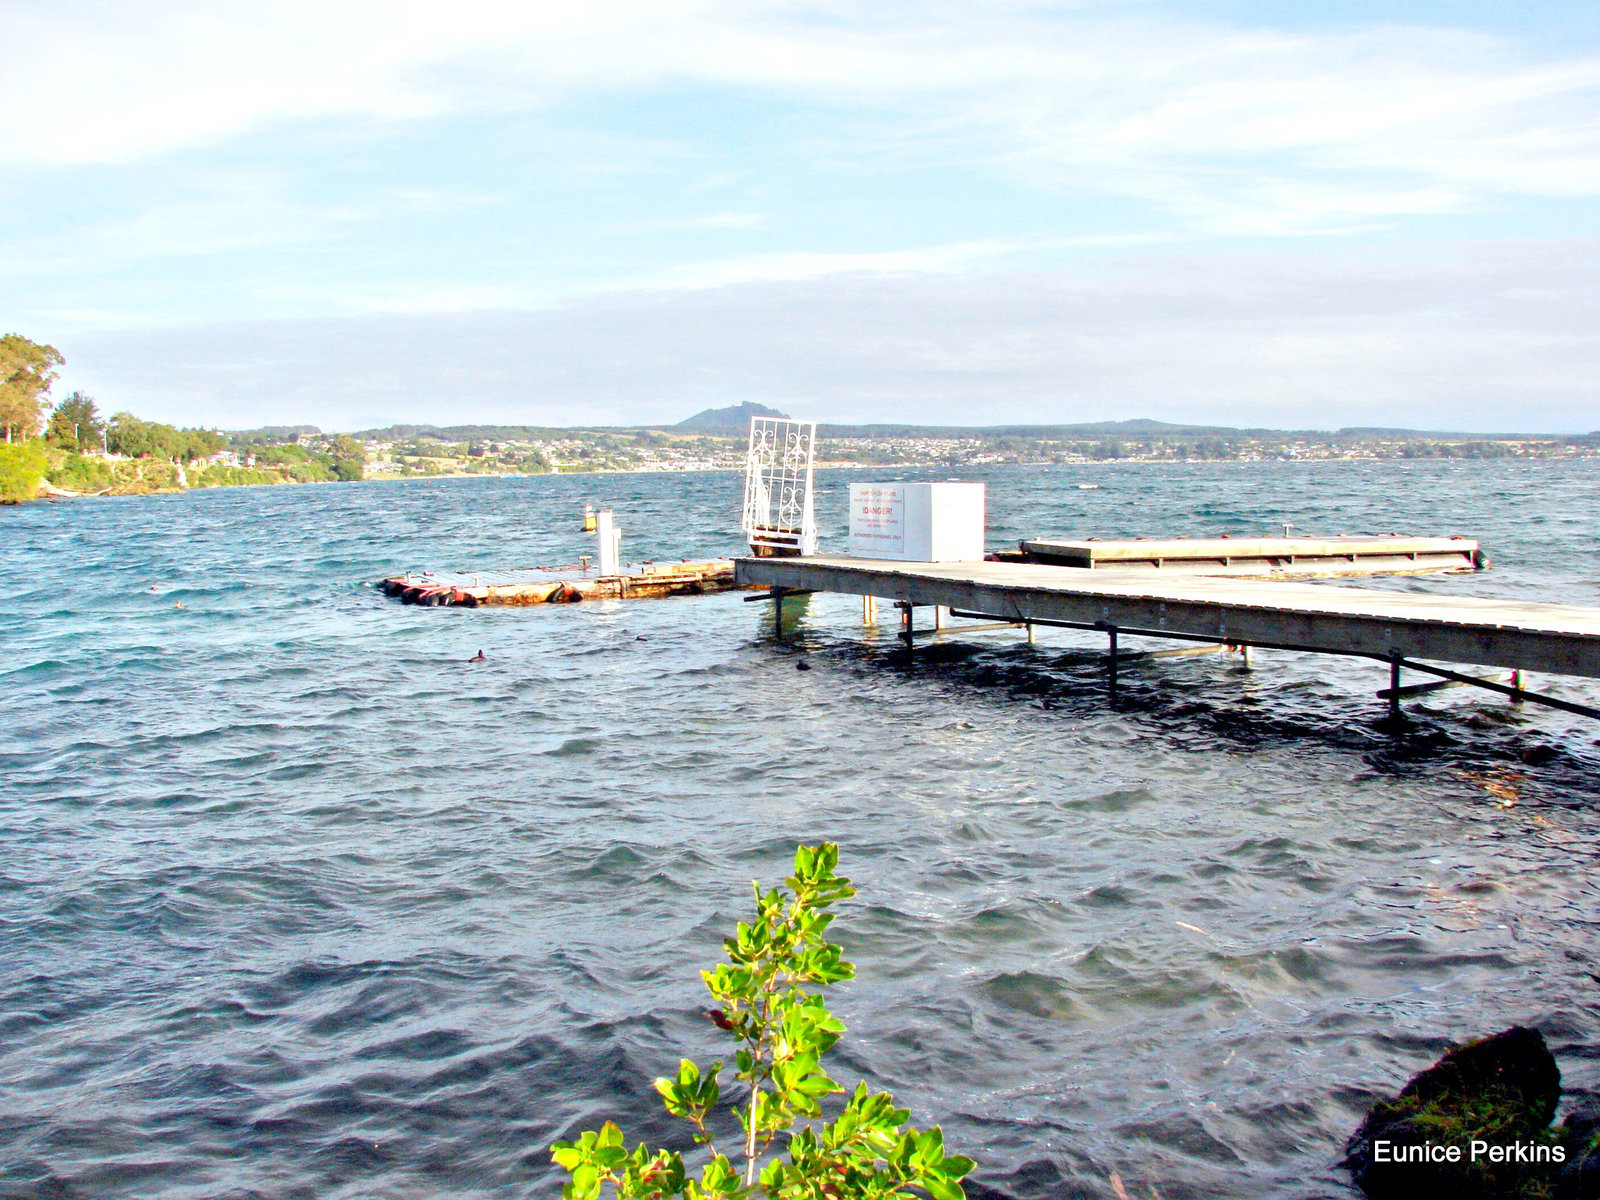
column 939, row 613
column 1032, row 636
column 610, row 542
column 869, row 610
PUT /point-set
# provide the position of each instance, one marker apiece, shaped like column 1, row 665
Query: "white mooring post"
column 610, row 543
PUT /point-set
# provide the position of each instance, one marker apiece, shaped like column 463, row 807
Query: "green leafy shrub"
column 868, row 1151
column 22, row 466
column 79, row 472
column 223, row 476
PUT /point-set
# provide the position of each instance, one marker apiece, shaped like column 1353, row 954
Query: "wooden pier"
column 1397, row 628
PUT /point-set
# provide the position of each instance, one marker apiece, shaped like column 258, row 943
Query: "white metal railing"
column 778, row 513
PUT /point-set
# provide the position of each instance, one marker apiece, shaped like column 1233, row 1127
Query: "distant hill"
column 734, row 422
column 272, row 435
column 1142, row 430
column 728, row 421
column 470, row 433
column 1139, row 430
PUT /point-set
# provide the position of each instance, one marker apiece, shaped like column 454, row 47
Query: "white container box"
column 917, row 522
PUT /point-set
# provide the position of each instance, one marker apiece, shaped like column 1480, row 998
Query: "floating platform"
column 565, row 585
column 1285, row 557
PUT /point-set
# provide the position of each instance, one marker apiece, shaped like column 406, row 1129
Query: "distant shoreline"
column 53, row 494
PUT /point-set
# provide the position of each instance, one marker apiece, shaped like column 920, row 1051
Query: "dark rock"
column 1579, row 1178
column 802, row 665
column 1502, row 1090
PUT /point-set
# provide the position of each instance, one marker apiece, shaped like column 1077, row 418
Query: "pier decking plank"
column 1557, row 638
column 1345, row 554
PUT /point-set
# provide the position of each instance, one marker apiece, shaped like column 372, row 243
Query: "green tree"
column 349, row 458
column 286, row 453
column 76, row 423
column 27, row 369
column 869, row 1152
column 128, row 435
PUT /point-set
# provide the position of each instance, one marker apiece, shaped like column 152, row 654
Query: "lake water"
column 294, row 902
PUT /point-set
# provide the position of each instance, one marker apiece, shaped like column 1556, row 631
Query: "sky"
column 352, row 214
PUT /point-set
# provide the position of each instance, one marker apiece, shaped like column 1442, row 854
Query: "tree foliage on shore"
column 128, row 435
column 76, row 424
column 22, row 466
column 27, row 369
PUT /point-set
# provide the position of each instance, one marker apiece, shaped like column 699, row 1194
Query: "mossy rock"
column 1502, row 1090
column 1579, row 1179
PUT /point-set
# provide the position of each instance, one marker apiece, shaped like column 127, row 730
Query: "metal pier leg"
column 777, row 615
column 907, row 627
column 1111, row 659
column 869, row 610
column 1033, row 637
column 1245, row 657
column 939, row 612
column 1516, row 682
column 1394, row 687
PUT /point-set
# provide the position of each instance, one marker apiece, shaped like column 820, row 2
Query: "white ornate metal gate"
column 778, row 516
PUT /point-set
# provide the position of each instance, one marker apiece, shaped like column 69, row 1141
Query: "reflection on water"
column 299, row 903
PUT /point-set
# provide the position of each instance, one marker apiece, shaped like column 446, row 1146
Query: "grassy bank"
column 220, row 476
column 94, row 476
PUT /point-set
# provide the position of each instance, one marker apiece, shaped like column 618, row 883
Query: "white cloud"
column 1479, row 336
column 224, row 214
column 748, row 221
column 1231, row 130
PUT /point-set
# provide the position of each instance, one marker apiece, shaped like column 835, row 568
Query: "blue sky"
column 350, row 214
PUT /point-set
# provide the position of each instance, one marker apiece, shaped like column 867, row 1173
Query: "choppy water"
column 293, row 902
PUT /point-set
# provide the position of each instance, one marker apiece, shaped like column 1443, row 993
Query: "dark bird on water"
column 802, row 665
column 478, row 657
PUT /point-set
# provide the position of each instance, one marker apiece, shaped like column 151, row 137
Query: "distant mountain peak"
column 735, row 419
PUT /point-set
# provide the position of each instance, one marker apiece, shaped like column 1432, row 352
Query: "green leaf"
column 957, row 1167
column 585, row 1183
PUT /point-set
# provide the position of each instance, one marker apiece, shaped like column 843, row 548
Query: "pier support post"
column 1033, row 636
column 1394, row 687
column 777, row 614
column 869, row 610
column 1111, row 658
column 1245, row 658
column 939, row 613
column 1516, row 682
column 908, row 630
